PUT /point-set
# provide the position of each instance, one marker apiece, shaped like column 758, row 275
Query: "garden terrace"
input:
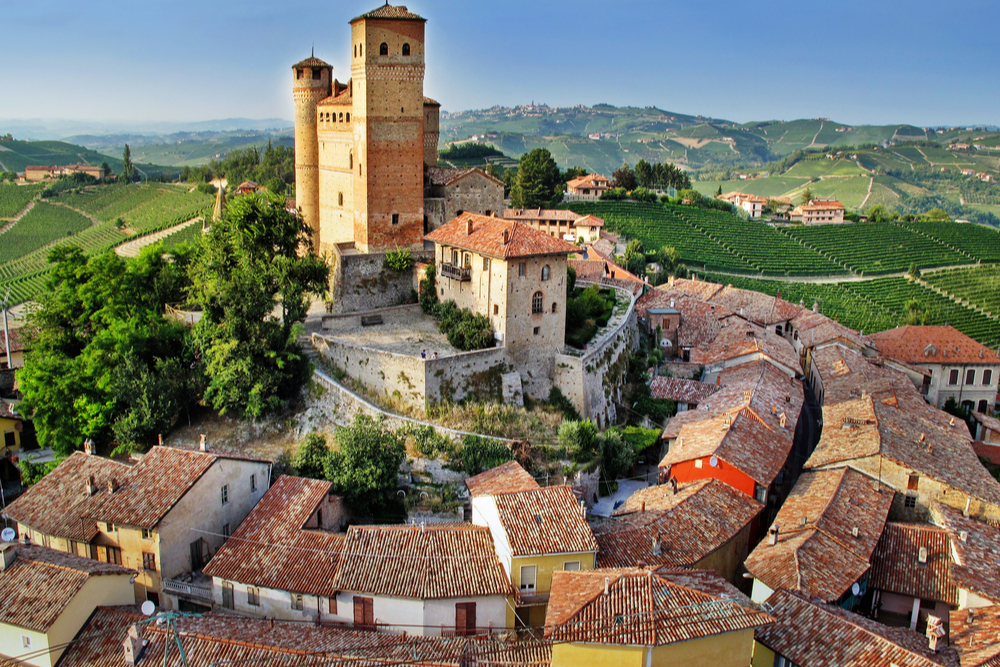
column 405, row 330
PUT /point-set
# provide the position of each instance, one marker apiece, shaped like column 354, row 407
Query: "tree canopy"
column 364, row 464
column 538, row 183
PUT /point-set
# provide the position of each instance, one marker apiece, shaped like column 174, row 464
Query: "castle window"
column 298, row 74
column 545, row 272
column 395, row 218
column 361, row 50
column 383, row 49
column 554, row 306
column 536, row 303
column 341, row 119
column 350, row 160
column 537, row 330
column 406, row 49
column 348, row 117
column 522, row 269
column 486, row 263
column 317, row 73
column 340, row 199
column 496, row 309
column 355, row 50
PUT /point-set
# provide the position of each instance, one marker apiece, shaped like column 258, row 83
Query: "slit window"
column 406, row 49
column 340, row 199
column 383, row 49
column 555, row 306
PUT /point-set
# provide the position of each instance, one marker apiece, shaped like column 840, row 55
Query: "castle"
column 366, row 172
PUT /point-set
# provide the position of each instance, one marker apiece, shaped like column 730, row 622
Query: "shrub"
column 428, row 291
column 400, row 259
column 559, row 401
column 310, row 457
column 479, row 454
column 580, row 440
column 614, row 194
column 206, row 188
column 464, row 329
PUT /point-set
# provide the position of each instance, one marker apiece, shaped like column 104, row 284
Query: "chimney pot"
column 9, row 555
column 468, row 228
column 112, row 485
column 203, row 443
column 91, row 485
column 88, row 447
column 772, row 535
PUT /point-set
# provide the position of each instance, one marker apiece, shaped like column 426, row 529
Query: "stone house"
column 987, row 428
column 163, row 517
column 588, row 186
column 686, row 394
column 960, row 368
column 448, row 193
column 558, row 223
column 48, row 596
column 283, row 557
column 536, row 532
column 33, row 173
column 641, row 617
column 515, row 276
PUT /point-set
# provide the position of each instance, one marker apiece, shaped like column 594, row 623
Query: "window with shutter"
column 465, row 619
column 364, row 613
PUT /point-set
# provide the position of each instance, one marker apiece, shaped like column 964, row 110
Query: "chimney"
column 133, row 646
column 203, row 443
column 607, row 582
column 505, row 234
column 783, row 420
column 642, row 506
column 815, row 307
column 935, row 631
column 9, row 555
column 112, row 485
column 159, row 439
column 968, row 506
column 672, row 303
column 772, row 535
column 670, row 282
column 88, row 447
column 963, row 535
column 657, row 547
column 91, row 485
column 922, row 555
column 583, row 510
column 673, row 485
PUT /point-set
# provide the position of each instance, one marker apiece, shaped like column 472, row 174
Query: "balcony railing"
column 456, row 272
column 189, row 590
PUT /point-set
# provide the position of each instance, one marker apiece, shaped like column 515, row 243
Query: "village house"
column 247, row 188
column 974, row 548
column 34, row 173
column 122, row 636
column 811, row 330
column 515, row 276
column 639, row 617
column 987, row 428
column 741, row 342
column 811, row 634
column 297, row 525
column 975, row 635
column 705, row 525
column 557, row 223
column 960, row 368
column 536, row 531
column 448, row 193
column 588, row 186
column 686, row 394
column 922, row 453
column 752, row 204
column 11, row 425
column 46, row 596
column 12, row 356
column 838, row 373
column 818, row 212
column 822, row 539
column 163, row 517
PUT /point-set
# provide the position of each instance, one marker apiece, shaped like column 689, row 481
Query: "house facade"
column 589, row 186
column 558, row 223
column 752, row 204
column 819, row 212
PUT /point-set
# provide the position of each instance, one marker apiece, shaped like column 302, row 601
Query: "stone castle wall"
column 362, row 282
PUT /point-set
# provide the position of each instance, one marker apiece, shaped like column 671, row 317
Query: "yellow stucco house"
column 646, row 618
column 536, row 532
column 46, row 596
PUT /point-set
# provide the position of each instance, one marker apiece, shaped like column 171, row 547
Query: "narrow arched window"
column 406, row 49
column 340, row 199
column 545, row 272
column 341, row 119
column 383, row 49
column 536, row 303
column 350, row 160
column 348, row 117
column 554, row 306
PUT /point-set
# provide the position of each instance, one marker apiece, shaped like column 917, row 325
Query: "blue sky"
column 871, row 61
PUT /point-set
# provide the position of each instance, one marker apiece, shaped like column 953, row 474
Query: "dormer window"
column 383, row 49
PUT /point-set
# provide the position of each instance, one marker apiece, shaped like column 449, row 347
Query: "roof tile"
column 487, row 238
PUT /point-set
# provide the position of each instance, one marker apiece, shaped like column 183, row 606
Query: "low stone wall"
column 416, row 382
column 363, row 282
column 353, row 321
column 592, row 381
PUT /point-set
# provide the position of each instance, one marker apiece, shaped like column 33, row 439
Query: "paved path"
column 626, row 487
column 133, row 247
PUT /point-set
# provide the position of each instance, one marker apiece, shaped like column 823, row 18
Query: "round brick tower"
column 311, row 82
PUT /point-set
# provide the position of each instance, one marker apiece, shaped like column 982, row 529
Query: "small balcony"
column 456, row 272
column 199, row 588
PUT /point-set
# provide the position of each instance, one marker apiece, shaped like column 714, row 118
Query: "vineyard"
column 191, row 234
column 979, row 286
column 145, row 208
column 713, row 239
column 13, row 198
column 876, row 305
column 875, row 248
column 979, row 241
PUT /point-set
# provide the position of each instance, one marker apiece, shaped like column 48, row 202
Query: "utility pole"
column 6, row 332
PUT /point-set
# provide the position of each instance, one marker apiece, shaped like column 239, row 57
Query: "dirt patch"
column 690, row 142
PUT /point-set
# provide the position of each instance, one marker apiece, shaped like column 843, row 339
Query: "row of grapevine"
column 42, row 225
column 13, row 198
column 168, row 208
column 979, row 286
column 978, row 241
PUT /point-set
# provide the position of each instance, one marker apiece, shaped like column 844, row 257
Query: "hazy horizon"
column 134, row 65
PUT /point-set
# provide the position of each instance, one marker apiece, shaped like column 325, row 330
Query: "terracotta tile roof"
column 738, row 338
column 214, row 639
column 17, row 342
column 904, row 429
column 533, row 214
column 813, row 634
column 590, row 221
column 447, row 176
column 544, row 521
column 974, row 565
column 421, row 562
column 41, row 582
column 645, row 608
column 757, row 307
column 816, row 329
column 57, row 504
column 603, row 247
column 991, row 423
column 741, row 423
column 343, row 98
column 932, row 345
column 589, row 180
column 388, row 11
column 817, row 552
column 428, row 102
column 153, row 486
column 845, row 374
column 658, row 527
column 896, row 567
column 271, row 547
column 679, row 389
column 507, row 478
column 601, row 270
column 311, row 61
column 975, row 635
column 487, row 238
column 818, row 205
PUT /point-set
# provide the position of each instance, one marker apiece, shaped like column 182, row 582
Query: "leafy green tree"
column 479, row 454
column 256, row 261
column 580, row 439
column 623, row 177
column 364, row 464
column 719, row 192
column 574, row 172
column 806, row 197
column 644, row 174
column 538, row 183
column 880, row 213
column 617, row 455
column 915, row 312
column 310, row 457
column 936, row 215
column 914, row 271
column 128, row 169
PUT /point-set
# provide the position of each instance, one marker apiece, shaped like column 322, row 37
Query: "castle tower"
column 387, row 76
column 311, row 82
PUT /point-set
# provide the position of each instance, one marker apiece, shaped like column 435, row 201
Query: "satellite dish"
column 714, row 462
column 8, row 535
column 148, row 607
column 855, row 589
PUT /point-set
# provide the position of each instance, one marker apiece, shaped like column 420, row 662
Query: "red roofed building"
column 752, row 204
column 819, row 212
column 960, row 367
column 558, row 223
column 589, row 186
column 515, row 276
